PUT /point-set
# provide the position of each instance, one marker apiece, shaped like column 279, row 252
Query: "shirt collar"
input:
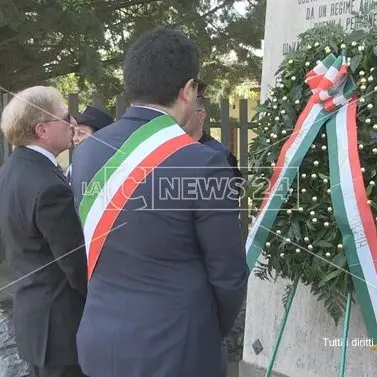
column 43, row 151
column 151, row 108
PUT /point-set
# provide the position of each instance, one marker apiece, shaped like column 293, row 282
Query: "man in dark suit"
column 167, row 282
column 42, row 233
column 194, row 127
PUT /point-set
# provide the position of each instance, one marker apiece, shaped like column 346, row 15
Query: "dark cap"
column 94, row 118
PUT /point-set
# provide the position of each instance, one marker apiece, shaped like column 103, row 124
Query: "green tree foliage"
column 41, row 40
column 313, row 227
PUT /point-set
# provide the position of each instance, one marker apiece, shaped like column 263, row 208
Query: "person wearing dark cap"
column 88, row 122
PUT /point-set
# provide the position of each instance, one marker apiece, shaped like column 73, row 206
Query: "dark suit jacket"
column 38, row 223
column 208, row 140
column 170, row 281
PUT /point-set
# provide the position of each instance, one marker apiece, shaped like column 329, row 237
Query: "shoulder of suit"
column 201, row 148
column 214, row 144
column 29, row 180
column 198, row 154
column 32, row 172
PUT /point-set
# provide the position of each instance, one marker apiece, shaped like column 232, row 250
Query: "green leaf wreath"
column 307, row 219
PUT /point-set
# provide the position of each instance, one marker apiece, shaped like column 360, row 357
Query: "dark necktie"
column 61, row 172
column 60, row 169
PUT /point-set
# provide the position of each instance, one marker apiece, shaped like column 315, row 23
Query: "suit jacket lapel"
column 60, row 172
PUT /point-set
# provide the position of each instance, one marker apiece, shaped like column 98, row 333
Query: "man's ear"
column 203, row 116
column 186, row 93
column 40, row 131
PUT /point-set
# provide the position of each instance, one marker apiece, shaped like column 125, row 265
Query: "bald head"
column 201, row 103
column 194, row 126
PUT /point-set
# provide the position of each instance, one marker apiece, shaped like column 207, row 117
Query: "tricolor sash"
column 113, row 185
column 332, row 103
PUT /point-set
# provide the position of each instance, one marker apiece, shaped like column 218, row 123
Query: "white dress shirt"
column 151, row 108
column 68, row 174
column 45, row 152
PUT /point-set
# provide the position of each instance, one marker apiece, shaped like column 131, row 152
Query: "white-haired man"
column 42, row 232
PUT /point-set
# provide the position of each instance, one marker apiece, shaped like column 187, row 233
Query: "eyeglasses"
column 201, row 87
column 66, row 119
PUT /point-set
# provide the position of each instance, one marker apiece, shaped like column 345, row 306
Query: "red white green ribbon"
column 332, row 89
column 352, row 212
column 285, row 172
column 111, row 188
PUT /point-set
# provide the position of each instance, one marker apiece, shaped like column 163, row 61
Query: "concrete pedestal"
column 311, row 343
column 310, row 346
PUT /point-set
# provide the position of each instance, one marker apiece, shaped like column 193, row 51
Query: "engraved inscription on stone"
column 281, row 34
column 344, row 13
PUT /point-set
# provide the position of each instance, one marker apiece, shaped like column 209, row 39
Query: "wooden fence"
column 234, row 134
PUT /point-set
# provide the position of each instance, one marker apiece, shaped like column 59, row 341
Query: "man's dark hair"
column 158, row 65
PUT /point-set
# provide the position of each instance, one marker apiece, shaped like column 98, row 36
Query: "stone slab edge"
column 253, row 370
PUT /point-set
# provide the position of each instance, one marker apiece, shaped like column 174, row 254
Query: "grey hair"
column 25, row 110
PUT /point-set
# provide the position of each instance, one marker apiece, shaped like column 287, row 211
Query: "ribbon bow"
column 334, row 104
column 330, row 82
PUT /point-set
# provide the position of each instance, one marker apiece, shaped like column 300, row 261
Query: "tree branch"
column 215, row 9
column 37, row 75
column 6, row 41
column 193, row 16
column 114, row 5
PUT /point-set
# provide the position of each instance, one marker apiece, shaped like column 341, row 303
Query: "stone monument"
column 311, row 343
column 286, row 19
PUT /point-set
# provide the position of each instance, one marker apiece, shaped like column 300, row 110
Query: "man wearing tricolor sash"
column 166, row 264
